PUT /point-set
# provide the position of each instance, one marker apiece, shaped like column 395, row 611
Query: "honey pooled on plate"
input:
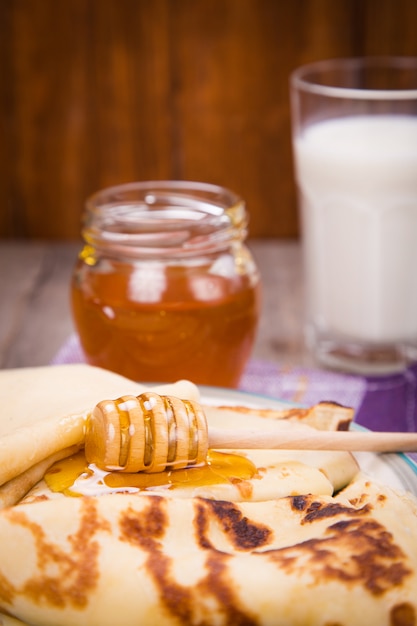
column 74, row 477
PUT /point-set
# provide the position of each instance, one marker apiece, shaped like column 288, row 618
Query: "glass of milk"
column 355, row 151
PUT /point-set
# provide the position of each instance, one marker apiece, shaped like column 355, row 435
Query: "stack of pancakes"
column 306, row 540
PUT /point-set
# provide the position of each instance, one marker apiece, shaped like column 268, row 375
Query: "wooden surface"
column 35, row 319
column 101, row 92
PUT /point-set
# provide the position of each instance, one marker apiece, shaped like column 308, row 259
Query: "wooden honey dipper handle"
column 151, row 433
column 352, row 441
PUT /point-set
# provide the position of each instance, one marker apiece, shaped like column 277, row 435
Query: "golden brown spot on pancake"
column 318, row 510
column 188, row 604
column 380, row 562
column 34, row 498
column 403, row 615
column 65, row 576
column 202, row 525
column 299, row 503
column 355, row 501
column 148, row 526
column 7, row 591
column 146, row 529
column 356, row 550
column 218, row 584
column 244, row 487
column 240, row 531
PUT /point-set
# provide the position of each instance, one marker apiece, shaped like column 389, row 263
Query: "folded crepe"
column 45, row 410
column 43, row 413
column 305, row 540
column 295, row 561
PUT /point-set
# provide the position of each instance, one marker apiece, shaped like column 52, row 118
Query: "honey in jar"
column 165, row 287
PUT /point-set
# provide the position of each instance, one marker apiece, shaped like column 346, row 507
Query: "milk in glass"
column 357, row 177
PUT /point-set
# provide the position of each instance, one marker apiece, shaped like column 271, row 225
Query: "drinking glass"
column 355, row 152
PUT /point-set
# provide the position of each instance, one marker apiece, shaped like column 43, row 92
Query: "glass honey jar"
column 165, row 287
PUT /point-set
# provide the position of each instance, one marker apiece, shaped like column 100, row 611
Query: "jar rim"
column 209, row 190
column 164, row 217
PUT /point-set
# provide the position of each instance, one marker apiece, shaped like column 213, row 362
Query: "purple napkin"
column 387, row 403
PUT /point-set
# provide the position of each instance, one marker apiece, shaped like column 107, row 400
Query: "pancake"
column 306, row 560
column 44, row 411
column 233, row 475
column 289, row 538
column 241, row 476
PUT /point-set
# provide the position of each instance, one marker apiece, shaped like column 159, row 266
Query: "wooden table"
column 35, row 317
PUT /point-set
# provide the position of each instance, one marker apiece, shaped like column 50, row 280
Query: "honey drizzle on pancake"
column 74, row 477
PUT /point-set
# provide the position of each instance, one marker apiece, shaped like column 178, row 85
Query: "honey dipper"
column 151, row 433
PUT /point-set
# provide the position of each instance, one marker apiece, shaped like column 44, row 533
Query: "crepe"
column 43, row 412
column 322, row 416
column 299, row 561
column 305, row 541
column 256, row 474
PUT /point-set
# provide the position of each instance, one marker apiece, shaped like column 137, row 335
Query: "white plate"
column 395, row 470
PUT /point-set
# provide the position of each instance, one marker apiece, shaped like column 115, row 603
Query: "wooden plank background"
column 101, row 92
